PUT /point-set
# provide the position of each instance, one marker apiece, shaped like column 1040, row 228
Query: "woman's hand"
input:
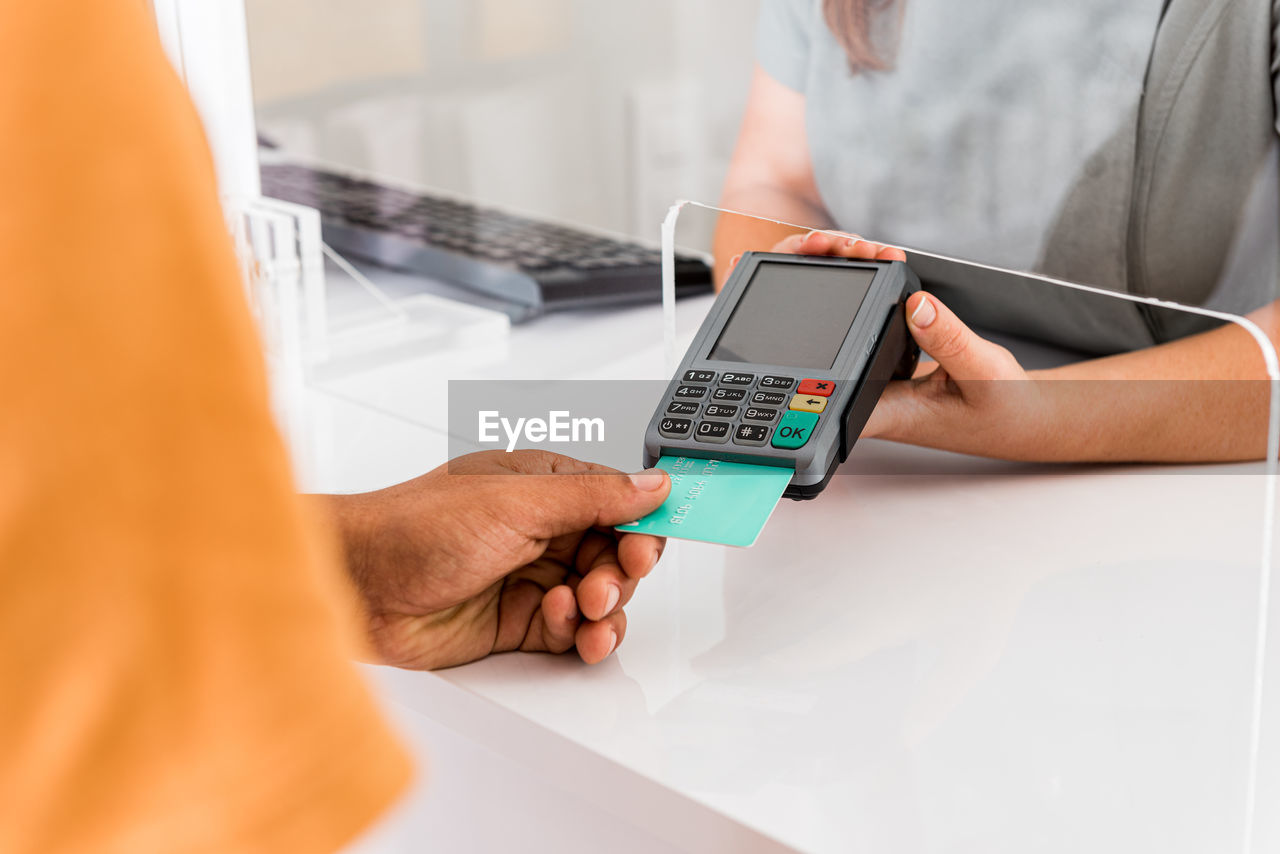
column 1204, row 398
column 840, row 245
column 834, row 243
column 974, row 398
column 499, row 551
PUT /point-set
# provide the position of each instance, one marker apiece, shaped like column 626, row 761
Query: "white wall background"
column 594, row 111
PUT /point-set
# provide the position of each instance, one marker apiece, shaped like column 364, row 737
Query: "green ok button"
column 794, row 429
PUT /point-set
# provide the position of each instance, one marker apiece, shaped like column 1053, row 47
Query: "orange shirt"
column 175, row 635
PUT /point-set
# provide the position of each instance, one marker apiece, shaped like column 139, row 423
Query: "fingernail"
column 573, row 611
column 924, row 314
column 850, row 242
column 611, row 601
column 653, row 559
column 648, row 480
column 735, row 259
column 613, row 643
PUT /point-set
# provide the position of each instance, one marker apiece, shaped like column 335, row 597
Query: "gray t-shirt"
column 1014, row 132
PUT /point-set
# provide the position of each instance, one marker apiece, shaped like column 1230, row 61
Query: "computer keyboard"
column 533, row 265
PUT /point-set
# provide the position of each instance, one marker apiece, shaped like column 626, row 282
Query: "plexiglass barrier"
column 1053, row 546
column 1029, row 612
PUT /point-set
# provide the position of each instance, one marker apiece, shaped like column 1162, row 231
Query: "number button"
column 678, row 407
column 755, row 413
column 768, row 398
column 715, row 410
column 712, row 431
column 730, row 378
column 699, row 376
column 779, row 383
column 821, row 387
column 691, row 392
column 808, row 403
column 732, row 395
column 794, row 430
column 675, row 428
column 750, row 434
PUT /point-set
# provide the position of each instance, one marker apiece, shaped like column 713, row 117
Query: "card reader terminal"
column 788, row 365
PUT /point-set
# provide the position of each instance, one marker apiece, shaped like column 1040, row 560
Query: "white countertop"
column 980, row 657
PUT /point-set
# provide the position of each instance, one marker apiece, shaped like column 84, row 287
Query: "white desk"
column 978, row 658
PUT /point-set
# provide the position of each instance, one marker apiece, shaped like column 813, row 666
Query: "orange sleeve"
column 175, row 635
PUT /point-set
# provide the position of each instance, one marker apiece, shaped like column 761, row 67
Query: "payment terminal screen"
column 794, row 315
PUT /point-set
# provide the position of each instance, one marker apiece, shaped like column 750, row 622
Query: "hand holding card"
column 714, row 501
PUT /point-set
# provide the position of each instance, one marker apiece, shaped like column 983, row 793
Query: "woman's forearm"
column 1203, row 398
column 743, row 233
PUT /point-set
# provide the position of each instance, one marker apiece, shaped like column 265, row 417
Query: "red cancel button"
column 822, row 387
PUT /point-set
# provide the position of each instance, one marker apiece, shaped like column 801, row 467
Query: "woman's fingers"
column 890, row 253
column 791, row 244
column 957, row 349
column 838, row 244
column 964, row 362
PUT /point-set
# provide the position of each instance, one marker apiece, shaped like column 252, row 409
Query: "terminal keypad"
column 775, row 411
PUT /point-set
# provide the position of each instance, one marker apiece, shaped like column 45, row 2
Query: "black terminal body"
column 788, row 365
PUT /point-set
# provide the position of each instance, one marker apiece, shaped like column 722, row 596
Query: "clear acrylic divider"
column 1073, row 567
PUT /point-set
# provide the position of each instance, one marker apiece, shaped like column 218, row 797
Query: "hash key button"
column 712, row 431
column 730, row 378
column 675, row 428
column 769, row 398
column 794, row 430
column 699, row 376
column 750, row 434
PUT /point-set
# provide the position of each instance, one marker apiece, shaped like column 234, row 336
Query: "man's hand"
column 499, row 551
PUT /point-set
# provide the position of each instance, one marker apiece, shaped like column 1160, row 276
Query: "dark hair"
column 855, row 24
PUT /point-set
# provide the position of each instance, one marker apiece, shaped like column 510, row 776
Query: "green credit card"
column 714, row 501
